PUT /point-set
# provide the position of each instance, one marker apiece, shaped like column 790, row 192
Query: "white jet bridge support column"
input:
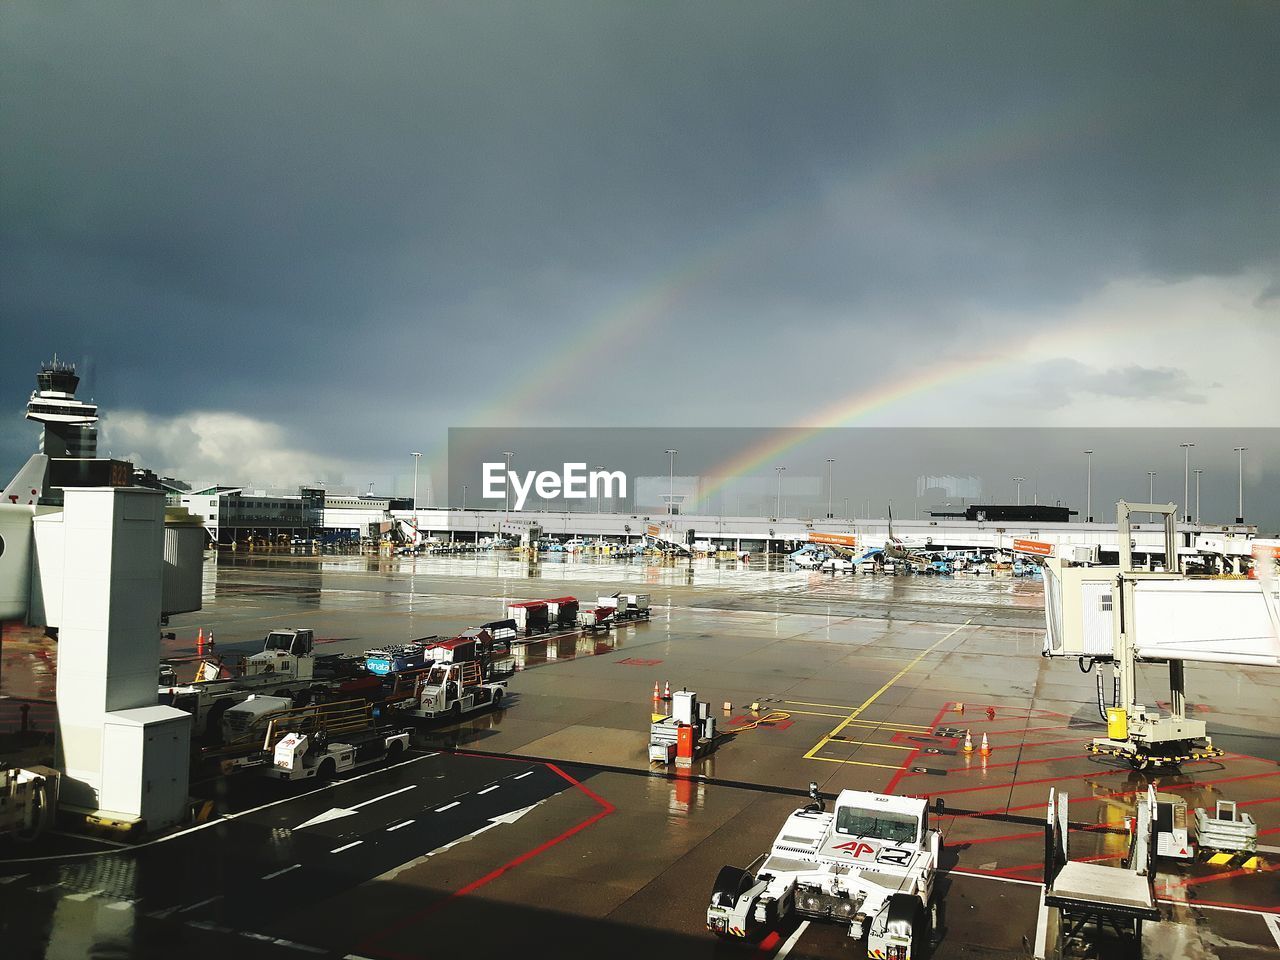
column 126, row 758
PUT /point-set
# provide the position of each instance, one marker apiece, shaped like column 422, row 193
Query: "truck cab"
column 284, row 652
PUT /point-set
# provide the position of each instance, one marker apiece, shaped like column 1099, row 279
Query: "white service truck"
column 869, row 864
column 283, row 668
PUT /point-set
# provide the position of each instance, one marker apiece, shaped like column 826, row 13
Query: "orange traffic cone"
column 666, row 694
column 200, row 643
column 959, row 706
column 657, row 694
column 968, row 742
column 986, row 746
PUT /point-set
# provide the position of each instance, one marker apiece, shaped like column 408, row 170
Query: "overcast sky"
column 296, row 240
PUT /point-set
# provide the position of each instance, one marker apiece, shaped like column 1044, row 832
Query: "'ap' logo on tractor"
column 856, row 848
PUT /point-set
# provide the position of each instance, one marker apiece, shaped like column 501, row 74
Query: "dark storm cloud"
column 379, row 206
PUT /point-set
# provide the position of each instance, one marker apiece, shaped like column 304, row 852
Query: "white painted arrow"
column 513, row 816
column 333, row 813
column 336, row 813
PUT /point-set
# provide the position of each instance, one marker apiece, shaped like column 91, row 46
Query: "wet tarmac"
column 547, row 818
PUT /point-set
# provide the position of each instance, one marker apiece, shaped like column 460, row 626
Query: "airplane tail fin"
column 24, row 489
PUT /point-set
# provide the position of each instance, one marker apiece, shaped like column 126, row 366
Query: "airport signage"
column 835, row 539
column 1036, row 548
column 654, row 530
column 572, row 482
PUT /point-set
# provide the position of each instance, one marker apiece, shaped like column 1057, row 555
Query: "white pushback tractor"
column 869, row 865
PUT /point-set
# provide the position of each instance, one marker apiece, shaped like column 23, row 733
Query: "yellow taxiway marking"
column 856, row 763
column 875, row 696
column 846, row 708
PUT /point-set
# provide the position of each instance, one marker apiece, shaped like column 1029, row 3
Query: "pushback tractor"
column 868, row 865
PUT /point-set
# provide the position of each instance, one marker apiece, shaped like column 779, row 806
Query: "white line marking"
column 230, row 816
column 256, row 936
column 354, row 956
column 298, row 946
column 447, row 806
column 120, row 905
column 279, row 873
column 353, row 843
column 527, row 773
column 1273, row 924
column 481, row 793
column 16, row 876
column 41, row 888
column 81, row 897
column 365, row 803
column 791, row 941
column 202, row 903
column 399, row 825
column 210, row 926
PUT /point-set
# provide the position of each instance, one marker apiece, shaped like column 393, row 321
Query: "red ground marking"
column 1263, row 833
column 639, row 662
column 1024, row 867
column 370, row 943
column 911, row 757
column 1214, row 877
column 961, row 844
column 1115, row 795
column 907, row 737
column 983, row 767
column 1249, row 803
column 769, row 944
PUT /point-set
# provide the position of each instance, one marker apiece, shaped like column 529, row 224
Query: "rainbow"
column 853, row 407
column 969, row 150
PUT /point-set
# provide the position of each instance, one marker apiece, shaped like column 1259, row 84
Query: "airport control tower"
column 70, row 425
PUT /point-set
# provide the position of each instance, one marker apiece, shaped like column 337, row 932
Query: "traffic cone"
column 200, row 643
column 666, row 693
column 657, row 694
column 968, row 742
column 986, row 746
column 959, row 706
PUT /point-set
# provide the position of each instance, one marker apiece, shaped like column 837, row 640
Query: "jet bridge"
column 1123, row 616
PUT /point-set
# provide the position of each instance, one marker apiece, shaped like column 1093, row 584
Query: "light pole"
column 1088, row 486
column 1151, row 490
column 671, row 482
column 777, row 507
column 846, row 508
column 1197, row 473
column 598, row 467
column 1240, row 485
column 1186, row 479
column 416, row 457
column 1018, row 481
column 831, row 469
column 464, row 498
column 506, row 490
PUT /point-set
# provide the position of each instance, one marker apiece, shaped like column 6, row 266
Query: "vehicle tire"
column 1141, row 763
column 497, row 698
column 455, row 712
column 395, row 751
column 303, row 699
column 328, row 770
